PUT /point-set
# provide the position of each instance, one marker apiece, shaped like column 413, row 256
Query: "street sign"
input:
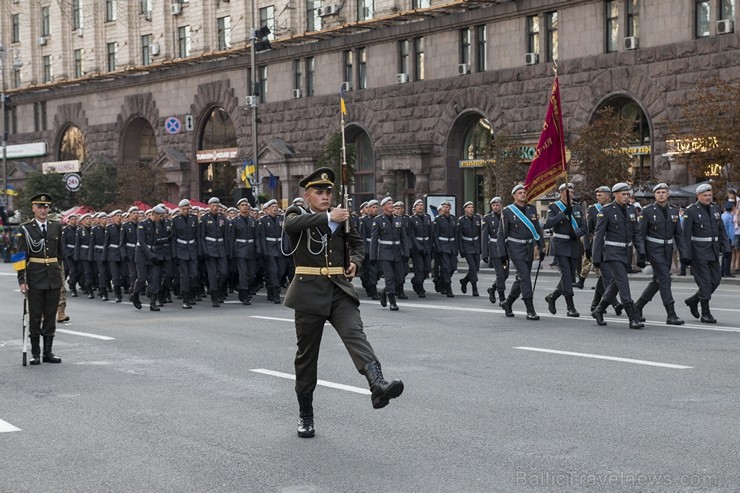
column 172, row 125
column 189, row 123
column 18, row 151
column 72, row 182
column 61, row 166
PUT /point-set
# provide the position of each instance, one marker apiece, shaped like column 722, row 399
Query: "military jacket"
column 443, row 234
column 97, row 243
column 366, row 231
column 565, row 240
column 661, row 230
column 165, row 233
column 490, row 246
column 128, row 240
column 147, row 247
column 69, row 236
column 388, row 240
column 308, row 232
column 48, row 273
column 185, row 237
column 617, row 233
column 213, row 232
column 467, row 234
column 113, row 243
column 704, row 233
column 270, row 234
column 517, row 237
column 243, row 237
column 420, row 233
column 82, row 243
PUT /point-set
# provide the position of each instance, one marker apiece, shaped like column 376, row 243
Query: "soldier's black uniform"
column 467, row 234
column 245, row 250
column 128, row 250
column 270, row 234
column 149, row 258
column 388, row 246
column 168, row 264
column 494, row 253
column 114, row 257
column 445, row 252
column 213, row 233
column 420, row 238
column 369, row 271
column 69, row 235
column 97, row 256
column 185, row 251
column 82, row 257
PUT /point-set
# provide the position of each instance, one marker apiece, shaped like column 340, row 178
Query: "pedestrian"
column 68, row 252
column 467, row 234
column 82, row 255
column 128, row 241
column 369, row 275
column 97, row 252
column 388, row 246
column 322, row 291
column 40, row 280
column 399, row 210
column 494, row 253
column 729, row 225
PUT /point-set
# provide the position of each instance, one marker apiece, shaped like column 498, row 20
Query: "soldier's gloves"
column 485, row 260
column 641, row 261
column 542, row 255
column 588, row 253
column 686, row 261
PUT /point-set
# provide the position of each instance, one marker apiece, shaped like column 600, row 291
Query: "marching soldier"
column 185, row 251
column 468, row 246
column 520, row 230
column 445, row 248
column 616, row 233
column 706, row 241
column 322, row 291
column 369, row 275
column 399, row 210
column 69, row 234
column 41, row 279
column 82, row 255
column 420, row 236
column 113, row 252
column 244, row 245
column 97, row 252
column 212, row 236
column 152, row 235
column 270, row 230
column 566, row 221
column 168, row 265
column 494, row 253
column 661, row 230
column 388, row 246
column 128, row 245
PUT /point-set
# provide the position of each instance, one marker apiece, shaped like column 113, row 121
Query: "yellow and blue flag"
column 342, row 106
column 19, row 261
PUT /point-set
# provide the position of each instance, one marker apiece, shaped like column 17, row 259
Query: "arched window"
column 477, row 139
column 139, row 142
column 72, row 145
column 641, row 149
column 219, row 132
column 217, row 178
column 364, row 184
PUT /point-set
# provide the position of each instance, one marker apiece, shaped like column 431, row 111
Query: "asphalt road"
column 170, row 402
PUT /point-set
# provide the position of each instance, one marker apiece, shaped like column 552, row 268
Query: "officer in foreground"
column 322, row 291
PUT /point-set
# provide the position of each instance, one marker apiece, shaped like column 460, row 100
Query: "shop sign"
column 216, row 155
column 72, row 166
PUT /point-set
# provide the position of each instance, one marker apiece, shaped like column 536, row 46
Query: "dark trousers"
column 345, row 317
column 446, row 264
column 216, row 271
column 115, row 272
column 422, row 267
column 102, row 274
column 247, row 268
column 275, row 268
column 188, row 274
column 568, row 267
column 619, row 283
column 473, row 260
column 707, row 276
column 132, row 272
column 369, row 274
column 393, row 273
column 661, row 281
column 75, row 273
column 167, row 273
column 523, row 282
column 502, row 273
column 42, row 311
column 147, row 274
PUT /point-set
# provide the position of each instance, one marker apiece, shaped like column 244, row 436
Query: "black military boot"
column 501, row 297
column 635, row 323
column 167, row 296
column 104, row 294
column 572, row 312
column 73, row 291
column 639, row 305
column 474, row 285
column 214, row 300
column 91, row 293
column 672, row 318
column 186, row 300
column 153, row 303
column 402, row 295
column 134, row 298
column 706, row 316
column 550, row 299
column 159, row 299
column 595, row 301
column 35, row 350
column 693, row 304
column 618, row 307
column 580, row 282
column 375, row 295
column 382, row 391
column 244, row 297
column 506, row 305
column 464, row 285
column 270, row 295
column 119, row 294
column 305, row 416
column 392, row 302
column 276, row 296
column 48, row 355
column 531, row 314
column 598, row 312
column 491, row 295
column 448, row 290
column 383, row 298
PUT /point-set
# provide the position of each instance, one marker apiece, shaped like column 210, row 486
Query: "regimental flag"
column 549, row 162
column 19, row 261
column 342, row 106
column 272, row 182
column 247, row 171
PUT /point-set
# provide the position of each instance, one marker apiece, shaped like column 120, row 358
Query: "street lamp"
column 17, row 63
column 259, row 42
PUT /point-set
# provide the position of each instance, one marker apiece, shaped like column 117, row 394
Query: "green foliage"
column 37, row 182
column 503, row 167
column 99, row 186
column 331, row 157
column 140, row 181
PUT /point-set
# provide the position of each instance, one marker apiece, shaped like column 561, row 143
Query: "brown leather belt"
column 35, row 260
column 319, row 271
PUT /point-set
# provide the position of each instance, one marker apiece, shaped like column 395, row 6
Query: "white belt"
column 368, row 239
column 659, row 241
column 562, row 237
column 186, row 242
column 209, row 238
column 704, row 239
column 84, row 246
column 70, row 246
column 517, row 240
column 272, row 239
column 467, row 238
column 492, row 240
column 100, row 247
column 112, row 245
column 239, row 240
column 386, row 242
column 444, row 238
column 618, row 244
column 421, row 238
column 132, row 245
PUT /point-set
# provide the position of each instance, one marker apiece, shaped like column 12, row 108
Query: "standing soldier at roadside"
column 494, row 253
column 243, row 240
column 128, row 245
column 661, row 230
column 185, row 251
column 82, row 255
column 445, row 248
column 369, row 271
column 388, row 246
column 467, row 233
column 420, row 236
column 113, row 252
column 706, row 240
column 567, row 224
column 69, row 233
column 270, row 230
column 520, row 230
column 97, row 252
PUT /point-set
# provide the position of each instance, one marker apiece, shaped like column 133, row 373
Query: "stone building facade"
column 422, row 78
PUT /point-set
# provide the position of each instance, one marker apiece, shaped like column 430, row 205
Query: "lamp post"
column 259, row 42
column 17, row 63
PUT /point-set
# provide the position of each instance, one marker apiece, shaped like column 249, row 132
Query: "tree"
column 51, row 183
column 140, row 181
column 331, row 157
column 99, row 186
column 503, row 167
column 600, row 155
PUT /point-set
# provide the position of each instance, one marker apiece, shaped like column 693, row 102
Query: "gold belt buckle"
column 324, row 271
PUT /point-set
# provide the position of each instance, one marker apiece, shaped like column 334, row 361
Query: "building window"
column 45, row 22
column 15, row 36
column 76, row 14
column 633, row 18
column 481, row 54
column 297, row 74
column 361, row 68
column 421, row 4
column 224, row 33
column 310, row 69
column 552, row 36
column 726, row 10
column 39, row 116
column 110, row 10
column 347, row 63
column 419, row 58
column 13, row 123
column 146, row 51
column 145, row 6
column 612, row 26
column 364, row 183
column 403, row 56
column 365, row 9
column 263, row 83
column 111, row 51
column 267, row 18
column 16, row 78
column 313, row 21
column 465, row 45
column 78, row 63
column 702, row 18
column 533, row 34
column 46, row 62
column 183, row 41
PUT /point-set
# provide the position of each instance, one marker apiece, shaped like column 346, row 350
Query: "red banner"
column 548, row 164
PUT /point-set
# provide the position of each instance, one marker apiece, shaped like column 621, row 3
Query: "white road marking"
column 610, row 358
column 324, row 383
column 8, row 274
column 85, row 334
column 6, row 427
column 272, row 318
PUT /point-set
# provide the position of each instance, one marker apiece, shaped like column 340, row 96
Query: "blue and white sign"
column 172, row 125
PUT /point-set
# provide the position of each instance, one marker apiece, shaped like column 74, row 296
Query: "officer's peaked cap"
column 704, row 187
column 184, row 203
column 495, row 199
column 621, row 187
column 467, row 204
column 603, row 189
column 322, row 178
column 41, row 198
column 385, row 201
column 213, row 200
column 159, row 209
column 417, row 202
column 269, row 203
column 562, row 187
column 660, row 186
column 371, row 203
column 517, row 188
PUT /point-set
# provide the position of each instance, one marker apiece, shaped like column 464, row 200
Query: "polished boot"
column 305, row 416
column 167, row 296
column 598, row 312
column 159, row 299
column 550, row 299
column 375, row 295
column 639, row 305
column 474, row 285
column 506, row 305
column 491, row 295
column 91, row 294
column 214, row 300
column 580, row 282
column 464, row 285
column 270, row 295
column 595, row 301
column 276, row 296
column 448, row 290
column 635, row 323
column 501, row 297
column 134, row 298
column 244, row 297
column 672, row 318
column 402, row 295
column 186, row 300
column 73, row 291
column 119, row 294
column 383, row 298
column 531, row 314
column 572, row 312
column 382, row 391
column 618, row 307
column 392, row 302
column 706, row 315
column 35, row 350
column 61, row 316
column 693, row 304
column 153, row 303
column 104, row 294
column 48, row 355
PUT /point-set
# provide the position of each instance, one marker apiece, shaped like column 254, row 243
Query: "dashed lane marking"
column 85, row 334
column 324, row 383
column 6, row 427
column 608, row 358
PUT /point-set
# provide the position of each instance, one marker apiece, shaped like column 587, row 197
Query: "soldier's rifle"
column 344, row 177
column 25, row 334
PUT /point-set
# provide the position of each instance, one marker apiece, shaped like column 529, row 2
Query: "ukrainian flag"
column 342, row 105
column 19, row 261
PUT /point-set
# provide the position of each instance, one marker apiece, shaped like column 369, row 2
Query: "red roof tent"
column 198, row 203
column 170, row 205
column 79, row 210
column 143, row 206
